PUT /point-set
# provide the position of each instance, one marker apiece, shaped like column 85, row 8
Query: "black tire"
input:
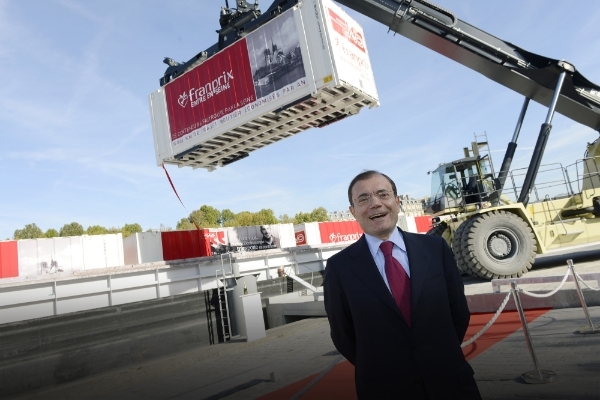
column 498, row 244
column 457, row 246
column 437, row 230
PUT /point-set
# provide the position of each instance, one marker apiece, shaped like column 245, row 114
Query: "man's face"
column 377, row 218
column 265, row 232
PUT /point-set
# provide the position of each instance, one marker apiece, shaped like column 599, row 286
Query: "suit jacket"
column 391, row 360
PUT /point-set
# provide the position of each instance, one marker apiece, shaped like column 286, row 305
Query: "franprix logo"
column 338, row 237
column 183, row 99
column 349, row 32
column 299, row 238
column 197, row 96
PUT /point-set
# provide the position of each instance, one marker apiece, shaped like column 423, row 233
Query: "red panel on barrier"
column 339, row 231
column 178, row 245
column 423, row 223
column 9, row 259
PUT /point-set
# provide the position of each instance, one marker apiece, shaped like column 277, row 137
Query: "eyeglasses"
column 364, row 199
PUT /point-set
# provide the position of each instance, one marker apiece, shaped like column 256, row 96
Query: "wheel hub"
column 499, row 245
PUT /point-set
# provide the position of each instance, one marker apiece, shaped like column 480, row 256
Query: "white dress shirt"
column 398, row 252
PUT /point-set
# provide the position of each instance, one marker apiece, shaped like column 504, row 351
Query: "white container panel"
column 76, row 251
column 28, row 260
column 64, row 254
column 131, row 250
column 349, row 49
column 89, row 302
column 150, row 247
column 286, row 236
column 25, row 312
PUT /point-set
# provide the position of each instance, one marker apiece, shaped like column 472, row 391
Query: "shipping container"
column 306, row 68
column 179, row 245
column 66, row 255
column 307, row 234
column 340, row 231
column 141, row 248
column 9, row 259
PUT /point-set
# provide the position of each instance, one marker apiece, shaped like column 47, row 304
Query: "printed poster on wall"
column 263, row 67
column 244, row 239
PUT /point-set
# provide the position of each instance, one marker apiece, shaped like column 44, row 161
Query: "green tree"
column 96, row 230
column 113, row 229
column 51, row 233
column 302, row 217
column 286, row 219
column 227, row 217
column 244, row 218
column 266, row 216
column 319, row 214
column 184, row 224
column 130, row 229
column 72, row 229
column 30, row 231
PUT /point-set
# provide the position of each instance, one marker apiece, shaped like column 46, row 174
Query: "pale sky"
column 77, row 140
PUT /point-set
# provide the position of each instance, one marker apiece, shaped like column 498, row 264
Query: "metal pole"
column 537, row 376
column 584, row 329
column 540, row 145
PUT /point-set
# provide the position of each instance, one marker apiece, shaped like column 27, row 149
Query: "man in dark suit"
column 397, row 310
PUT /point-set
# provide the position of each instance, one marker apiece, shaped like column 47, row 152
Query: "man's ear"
column 352, row 211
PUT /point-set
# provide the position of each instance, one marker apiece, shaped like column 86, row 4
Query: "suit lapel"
column 418, row 261
column 366, row 270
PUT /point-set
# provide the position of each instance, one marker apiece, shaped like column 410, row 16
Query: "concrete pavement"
column 239, row 370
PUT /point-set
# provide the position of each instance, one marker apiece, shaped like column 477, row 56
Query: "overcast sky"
column 77, row 140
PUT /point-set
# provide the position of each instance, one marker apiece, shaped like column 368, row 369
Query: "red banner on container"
column 339, row 231
column 218, row 88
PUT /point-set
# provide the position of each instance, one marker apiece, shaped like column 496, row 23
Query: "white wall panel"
column 26, row 311
column 133, row 279
column 133, row 295
column 175, row 288
column 89, row 302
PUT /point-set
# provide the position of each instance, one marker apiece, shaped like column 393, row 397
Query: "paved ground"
column 239, row 370
column 299, row 350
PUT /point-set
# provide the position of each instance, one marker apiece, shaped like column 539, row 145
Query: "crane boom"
column 527, row 73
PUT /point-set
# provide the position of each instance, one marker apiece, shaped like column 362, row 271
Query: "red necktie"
column 398, row 280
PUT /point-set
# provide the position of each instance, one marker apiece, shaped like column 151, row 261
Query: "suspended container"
column 307, row 68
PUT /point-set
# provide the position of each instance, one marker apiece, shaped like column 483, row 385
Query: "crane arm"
column 529, row 74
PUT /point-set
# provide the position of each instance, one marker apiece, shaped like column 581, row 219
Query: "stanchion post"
column 584, row 329
column 539, row 375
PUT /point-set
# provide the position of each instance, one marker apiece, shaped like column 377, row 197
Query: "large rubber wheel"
column 498, row 244
column 437, row 230
column 458, row 245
